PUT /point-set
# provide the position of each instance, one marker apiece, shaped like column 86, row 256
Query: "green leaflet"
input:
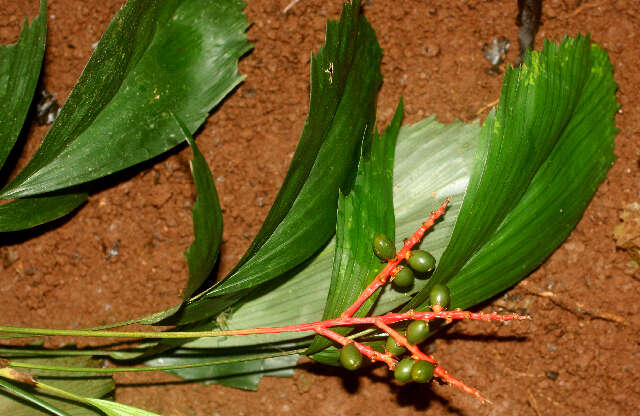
column 538, row 105
column 345, row 79
column 207, row 223
column 432, row 162
column 553, row 202
column 19, row 71
column 155, row 58
column 29, row 212
column 365, row 212
column 90, row 385
column 556, row 198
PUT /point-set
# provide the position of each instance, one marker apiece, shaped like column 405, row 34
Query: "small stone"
column 432, row 50
column 552, row 375
column 10, row 256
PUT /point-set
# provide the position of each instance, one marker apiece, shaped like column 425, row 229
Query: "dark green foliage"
column 19, row 70
column 207, row 222
column 540, row 158
column 368, row 209
column 303, row 216
column 156, row 58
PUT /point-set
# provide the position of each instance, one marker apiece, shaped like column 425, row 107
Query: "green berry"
column 403, row 370
column 422, row 371
column 421, row 261
column 393, row 347
column 417, row 332
column 350, row 357
column 404, row 278
column 440, row 295
column 383, row 247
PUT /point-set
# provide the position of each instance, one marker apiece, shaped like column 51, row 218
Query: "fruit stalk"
column 391, row 268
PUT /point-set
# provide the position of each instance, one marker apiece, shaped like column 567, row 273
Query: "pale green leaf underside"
column 118, row 409
column 242, row 375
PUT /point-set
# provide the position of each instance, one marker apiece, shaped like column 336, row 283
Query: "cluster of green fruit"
column 408, row 369
column 419, row 261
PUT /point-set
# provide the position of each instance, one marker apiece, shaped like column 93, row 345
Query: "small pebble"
column 552, row 375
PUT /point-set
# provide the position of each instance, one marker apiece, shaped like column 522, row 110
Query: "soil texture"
column 121, row 255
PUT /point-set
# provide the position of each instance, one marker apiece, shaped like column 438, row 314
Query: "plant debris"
column 47, row 108
column 496, row 52
column 529, row 12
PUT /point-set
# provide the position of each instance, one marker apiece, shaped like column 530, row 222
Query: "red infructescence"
column 383, row 321
column 391, row 268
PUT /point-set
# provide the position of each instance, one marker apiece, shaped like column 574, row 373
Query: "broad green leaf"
column 207, row 223
column 156, row 59
column 365, row 212
column 556, row 198
column 243, row 374
column 345, row 79
column 118, row 409
column 538, row 103
column 432, row 162
column 19, row 71
column 89, row 385
column 21, row 214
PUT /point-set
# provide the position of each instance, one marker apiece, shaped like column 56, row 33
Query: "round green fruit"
column 422, row 371
column 393, row 347
column 417, row 332
column 421, row 261
column 404, row 278
column 350, row 357
column 440, row 295
column 383, row 247
column 403, row 370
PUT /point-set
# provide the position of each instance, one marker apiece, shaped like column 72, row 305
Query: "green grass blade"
column 29, row 398
column 19, row 71
column 89, row 385
column 365, row 212
column 155, row 58
column 29, row 212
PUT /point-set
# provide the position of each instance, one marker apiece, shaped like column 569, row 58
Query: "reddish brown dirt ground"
column 568, row 360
